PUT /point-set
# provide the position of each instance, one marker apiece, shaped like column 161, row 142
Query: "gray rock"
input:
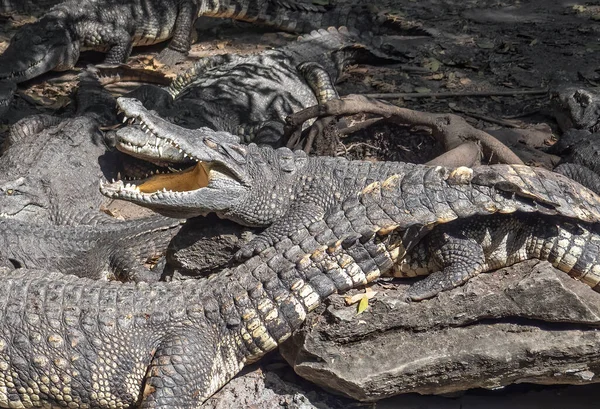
column 206, row 244
column 527, row 323
column 274, row 387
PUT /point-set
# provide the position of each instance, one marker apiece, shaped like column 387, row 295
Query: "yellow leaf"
column 363, row 304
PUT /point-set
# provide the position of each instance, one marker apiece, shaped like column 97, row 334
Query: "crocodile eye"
column 9, row 192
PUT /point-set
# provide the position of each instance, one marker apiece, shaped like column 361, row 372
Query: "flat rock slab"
column 527, row 323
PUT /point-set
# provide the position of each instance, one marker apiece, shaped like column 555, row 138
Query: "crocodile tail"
column 414, row 199
column 297, row 17
column 346, row 46
column 581, row 174
column 196, row 71
column 30, row 125
column 284, row 15
column 144, row 238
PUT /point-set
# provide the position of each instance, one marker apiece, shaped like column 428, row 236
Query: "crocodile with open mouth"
column 286, row 191
column 172, row 345
column 251, row 95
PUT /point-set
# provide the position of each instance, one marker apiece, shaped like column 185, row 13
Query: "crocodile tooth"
column 147, row 130
column 124, row 119
column 160, row 151
column 119, row 175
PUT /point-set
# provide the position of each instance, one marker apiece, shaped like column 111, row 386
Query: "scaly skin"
column 49, row 171
column 55, row 41
column 110, row 251
column 11, row 7
column 250, row 95
column 581, row 174
column 287, row 190
column 455, row 252
column 67, row 340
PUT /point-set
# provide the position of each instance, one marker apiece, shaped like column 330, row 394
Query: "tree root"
column 466, row 154
column 451, row 130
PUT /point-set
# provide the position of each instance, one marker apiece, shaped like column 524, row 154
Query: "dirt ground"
column 477, row 46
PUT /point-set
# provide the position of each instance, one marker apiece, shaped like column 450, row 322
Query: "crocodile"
column 50, row 168
column 235, row 181
column 579, row 150
column 274, row 84
column 55, row 41
column 69, row 341
column 251, row 95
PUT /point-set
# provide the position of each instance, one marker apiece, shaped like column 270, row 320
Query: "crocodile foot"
column 254, row 246
column 170, row 57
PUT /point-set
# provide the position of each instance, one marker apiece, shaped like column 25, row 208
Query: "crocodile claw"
column 170, row 57
column 253, row 247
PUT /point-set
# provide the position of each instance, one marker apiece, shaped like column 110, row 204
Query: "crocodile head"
column 22, row 199
column 45, row 45
column 245, row 183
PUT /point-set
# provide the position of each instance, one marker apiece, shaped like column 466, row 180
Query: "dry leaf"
column 363, row 304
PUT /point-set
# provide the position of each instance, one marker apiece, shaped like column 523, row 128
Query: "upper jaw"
column 199, row 145
column 133, row 141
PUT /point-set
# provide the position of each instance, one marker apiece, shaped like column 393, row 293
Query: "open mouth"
column 176, row 182
column 173, row 182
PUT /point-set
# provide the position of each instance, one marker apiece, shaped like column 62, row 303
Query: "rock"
column 527, row 323
column 206, row 244
column 274, row 386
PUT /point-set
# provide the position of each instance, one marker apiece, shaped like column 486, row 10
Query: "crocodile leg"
column 318, row 79
column 193, row 73
column 178, row 369
column 455, row 252
column 120, row 43
column 460, row 259
column 182, row 35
